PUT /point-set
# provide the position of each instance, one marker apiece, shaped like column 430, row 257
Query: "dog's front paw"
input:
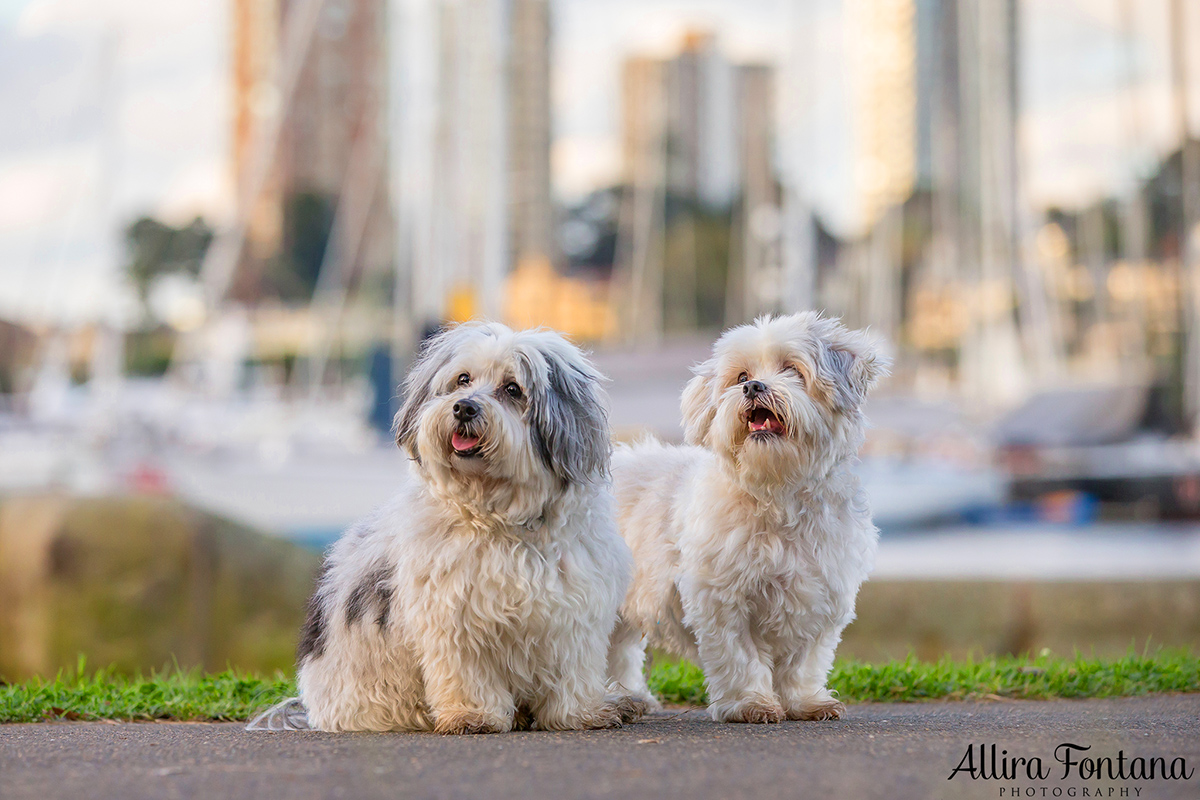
column 615, row 711
column 759, row 711
column 646, row 701
column 822, row 708
column 628, row 707
column 605, row 715
column 464, row 721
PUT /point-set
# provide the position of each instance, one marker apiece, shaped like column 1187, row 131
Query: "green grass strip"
column 1039, row 678
column 231, row 695
column 167, row 696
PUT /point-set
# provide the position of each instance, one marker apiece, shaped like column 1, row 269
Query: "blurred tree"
column 589, row 230
column 18, row 348
column 148, row 351
column 696, row 265
column 307, row 223
column 155, row 248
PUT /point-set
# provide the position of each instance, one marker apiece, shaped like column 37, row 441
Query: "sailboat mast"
column 798, row 234
column 1189, row 230
column 1134, row 215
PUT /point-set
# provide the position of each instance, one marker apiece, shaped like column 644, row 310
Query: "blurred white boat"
column 906, row 493
column 303, row 469
column 307, row 497
column 1047, row 552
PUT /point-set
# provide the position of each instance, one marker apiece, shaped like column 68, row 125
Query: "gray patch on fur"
column 570, row 423
column 374, row 592
column 836, row 365
column 435, row 353
column 312, row 635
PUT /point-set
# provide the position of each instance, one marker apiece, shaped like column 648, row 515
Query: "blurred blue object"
column 383, row 386
column 1062, row 508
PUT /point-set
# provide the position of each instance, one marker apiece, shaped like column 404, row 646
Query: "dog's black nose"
column 753, row 389
column 466, row 410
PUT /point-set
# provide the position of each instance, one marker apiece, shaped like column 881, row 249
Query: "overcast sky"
column 115, row 108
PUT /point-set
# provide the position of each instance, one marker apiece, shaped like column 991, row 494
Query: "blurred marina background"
column 226, row 226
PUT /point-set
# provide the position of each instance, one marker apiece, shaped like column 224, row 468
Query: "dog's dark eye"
column 792, row 368
column 464, row 379
column 513, row 390
column 743, row 378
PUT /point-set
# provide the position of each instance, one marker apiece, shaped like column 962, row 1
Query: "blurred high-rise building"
column 697, row 136
column 967, row 109
column 476, row 176
column 686, row 107
column 643, row 118
column 530, row 205
column 756, row 272
column 968, row 106
column 883, row 59
column 323, row 131
column 935, row 110
column 936, row 38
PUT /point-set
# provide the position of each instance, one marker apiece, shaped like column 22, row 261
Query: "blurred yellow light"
column 461, row 305
column 1052, row 242
column 1123, row 285
column 536, row 295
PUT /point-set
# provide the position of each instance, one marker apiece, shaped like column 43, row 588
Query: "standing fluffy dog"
column 483, row 597
column 750, row 545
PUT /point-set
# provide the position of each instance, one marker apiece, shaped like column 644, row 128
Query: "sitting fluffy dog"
column 483, row 597
column 750, row 545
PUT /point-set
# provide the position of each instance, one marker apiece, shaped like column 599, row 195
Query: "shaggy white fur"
column 750, row 544
column 483, row 597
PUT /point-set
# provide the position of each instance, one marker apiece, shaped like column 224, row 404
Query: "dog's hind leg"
column 627, row 665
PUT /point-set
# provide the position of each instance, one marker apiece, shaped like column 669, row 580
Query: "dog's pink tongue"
column 462, row 443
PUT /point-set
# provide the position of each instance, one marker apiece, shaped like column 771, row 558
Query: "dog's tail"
column 288, row 715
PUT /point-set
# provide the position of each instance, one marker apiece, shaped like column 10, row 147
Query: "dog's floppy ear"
column 567, row 412
column 436, row 351
column 853, row 363
column 697, row 403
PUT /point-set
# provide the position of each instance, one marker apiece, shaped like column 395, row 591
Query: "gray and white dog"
column 481, row 598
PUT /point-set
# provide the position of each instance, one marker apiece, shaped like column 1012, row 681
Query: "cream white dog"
column 750, row 544
column 483, row 597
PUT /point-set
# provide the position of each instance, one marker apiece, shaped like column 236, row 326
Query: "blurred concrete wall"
column 961, row 618
column 142, row 583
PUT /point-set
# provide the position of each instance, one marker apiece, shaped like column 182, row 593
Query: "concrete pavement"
column 879, row 751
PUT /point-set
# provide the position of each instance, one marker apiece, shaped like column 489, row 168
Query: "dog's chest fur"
column 504, row 592
column 497, row 582
column 795, row 562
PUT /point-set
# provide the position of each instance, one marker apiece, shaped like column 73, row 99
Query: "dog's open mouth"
column 465, row 444
column 764, row 421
